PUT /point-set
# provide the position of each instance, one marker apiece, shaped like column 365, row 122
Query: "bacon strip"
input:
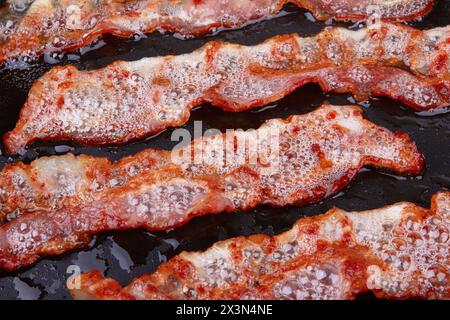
column 399, row 251
column 296, row 161
column 130, row 100
column 48, row 26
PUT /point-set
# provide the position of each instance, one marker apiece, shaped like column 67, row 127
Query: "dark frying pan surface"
column 125, row 255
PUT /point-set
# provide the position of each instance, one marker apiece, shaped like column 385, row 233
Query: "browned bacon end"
column 130, row 100
column 296, row 161
column 399, row 251
column 29, row 29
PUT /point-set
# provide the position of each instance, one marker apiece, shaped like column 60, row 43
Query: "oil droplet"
column 25, row 292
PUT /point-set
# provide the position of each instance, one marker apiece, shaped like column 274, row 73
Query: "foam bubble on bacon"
column 399, row 251
column 296, row 161
column 130, row 100
column 31, row 28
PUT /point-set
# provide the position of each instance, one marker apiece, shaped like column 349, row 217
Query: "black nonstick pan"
column 125, row 255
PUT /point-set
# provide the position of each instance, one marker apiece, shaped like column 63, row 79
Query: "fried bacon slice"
column 31, row 28
column 296, row 161
column 399, row 251
column 130, row 100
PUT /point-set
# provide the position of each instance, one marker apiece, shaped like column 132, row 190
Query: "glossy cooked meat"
column 31, row 28
column 399, row 251
column 296, row 161
column 130, row 100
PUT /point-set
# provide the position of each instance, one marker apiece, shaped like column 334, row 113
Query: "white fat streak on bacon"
column 315, row 155
column 30, row 28
column 398, row 251
column 130, row 100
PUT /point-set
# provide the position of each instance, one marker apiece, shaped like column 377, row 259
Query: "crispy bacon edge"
column 336, row 59
column 398, row 251
column 127, row 20
column 169, row 195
